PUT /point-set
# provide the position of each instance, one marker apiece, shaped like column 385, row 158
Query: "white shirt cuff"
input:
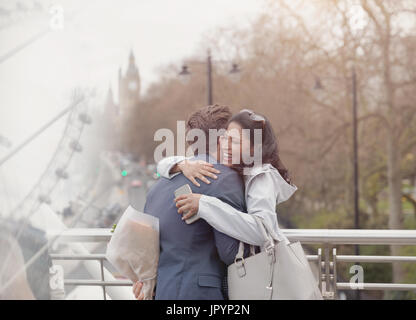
column 203, row 206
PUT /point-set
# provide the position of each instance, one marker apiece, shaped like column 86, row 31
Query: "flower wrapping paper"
column 134, row 249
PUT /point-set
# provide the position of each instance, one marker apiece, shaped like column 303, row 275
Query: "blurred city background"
column 85, row 85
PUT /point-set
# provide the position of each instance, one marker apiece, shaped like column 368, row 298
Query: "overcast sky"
column 95, row 40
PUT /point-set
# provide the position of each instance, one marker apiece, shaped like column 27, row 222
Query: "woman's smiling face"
column 233, row 144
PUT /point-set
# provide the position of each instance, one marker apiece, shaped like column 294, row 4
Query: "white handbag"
column 280, row 271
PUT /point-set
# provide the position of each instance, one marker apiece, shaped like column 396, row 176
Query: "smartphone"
column 186, row 189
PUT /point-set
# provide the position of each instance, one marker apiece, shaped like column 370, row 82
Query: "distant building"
column 111, row 109
column 129, row 86
column 128, row 90
column 128, row 98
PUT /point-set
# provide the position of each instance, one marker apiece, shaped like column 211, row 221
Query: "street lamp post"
column 209, row 77
column 355, row 161
column 356, row 195
column 210, row 92
column 355, row 154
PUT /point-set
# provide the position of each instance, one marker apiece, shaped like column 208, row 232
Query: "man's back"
column 193, row 257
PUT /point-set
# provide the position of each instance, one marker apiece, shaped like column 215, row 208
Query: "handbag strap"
column 267, row 234
column 240, row 252
column 270, row 250
column 267, row 229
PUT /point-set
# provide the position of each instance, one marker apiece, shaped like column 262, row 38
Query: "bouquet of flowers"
column 134, row 249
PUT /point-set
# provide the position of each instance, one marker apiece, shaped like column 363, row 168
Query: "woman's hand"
column 200, row 169
column 137, row 288
column 188, row 204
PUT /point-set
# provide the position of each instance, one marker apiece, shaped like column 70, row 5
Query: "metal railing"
column 102, row 282
column 326, row 267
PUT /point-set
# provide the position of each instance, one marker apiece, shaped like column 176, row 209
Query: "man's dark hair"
column 210, row 117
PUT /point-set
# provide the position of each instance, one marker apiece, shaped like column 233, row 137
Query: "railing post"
column 102, row 278
column 328, row 294
column 334, row 266
column 327, row 283
column 320, row 269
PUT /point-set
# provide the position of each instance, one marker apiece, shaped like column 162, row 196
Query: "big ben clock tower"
column 129, row 86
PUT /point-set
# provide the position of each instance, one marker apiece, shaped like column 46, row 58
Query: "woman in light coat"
column 266, row 181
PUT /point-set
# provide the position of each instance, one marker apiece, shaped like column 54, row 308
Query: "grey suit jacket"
column 193, row 258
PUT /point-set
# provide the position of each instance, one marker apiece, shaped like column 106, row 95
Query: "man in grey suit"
column 193, row 257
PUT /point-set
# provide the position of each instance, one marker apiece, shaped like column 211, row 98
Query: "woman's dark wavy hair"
column 270, row 153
